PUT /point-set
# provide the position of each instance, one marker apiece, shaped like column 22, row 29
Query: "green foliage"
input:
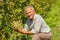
column 53, row 16
column 53, row 20
column 41, row 6
column 13, row 11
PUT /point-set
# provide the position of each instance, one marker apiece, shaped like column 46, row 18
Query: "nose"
column 28, row 14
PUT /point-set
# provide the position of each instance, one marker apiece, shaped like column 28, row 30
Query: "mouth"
column 29, row 16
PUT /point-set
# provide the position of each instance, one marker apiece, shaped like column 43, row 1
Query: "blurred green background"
column 13, row 11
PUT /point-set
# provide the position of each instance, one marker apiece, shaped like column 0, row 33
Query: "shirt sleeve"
column 37, row 26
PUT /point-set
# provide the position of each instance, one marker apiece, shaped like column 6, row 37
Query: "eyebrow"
column 29, row 12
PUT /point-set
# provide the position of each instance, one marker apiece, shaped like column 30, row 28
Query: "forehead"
column 29, row 9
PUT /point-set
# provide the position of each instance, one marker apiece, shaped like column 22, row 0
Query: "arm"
column 22, row 31
column 25, row 32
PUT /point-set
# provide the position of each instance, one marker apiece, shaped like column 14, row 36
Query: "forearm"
column 28, row 32
column 22, row 31
column 25, row 32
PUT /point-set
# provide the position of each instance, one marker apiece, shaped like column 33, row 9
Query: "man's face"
column 30, row 13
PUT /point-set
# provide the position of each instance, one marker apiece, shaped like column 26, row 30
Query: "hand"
column 18, row 30
column 15, row 29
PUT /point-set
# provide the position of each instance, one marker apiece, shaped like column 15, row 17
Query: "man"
column 35, row 25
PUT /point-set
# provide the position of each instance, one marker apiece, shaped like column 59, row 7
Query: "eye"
column 28, row 12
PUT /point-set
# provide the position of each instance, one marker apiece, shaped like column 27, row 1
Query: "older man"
column 35, row 25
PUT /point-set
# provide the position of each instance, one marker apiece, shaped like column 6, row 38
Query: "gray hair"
column 28, row 7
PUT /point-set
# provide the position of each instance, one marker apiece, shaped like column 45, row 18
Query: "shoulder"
column 37, row 16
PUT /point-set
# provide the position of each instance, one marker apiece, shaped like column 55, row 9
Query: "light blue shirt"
column 37, row 25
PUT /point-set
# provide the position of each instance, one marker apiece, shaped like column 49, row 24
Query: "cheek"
column 31, row 16
column 28, row 15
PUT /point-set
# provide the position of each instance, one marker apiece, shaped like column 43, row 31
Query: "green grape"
column 17, row 24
